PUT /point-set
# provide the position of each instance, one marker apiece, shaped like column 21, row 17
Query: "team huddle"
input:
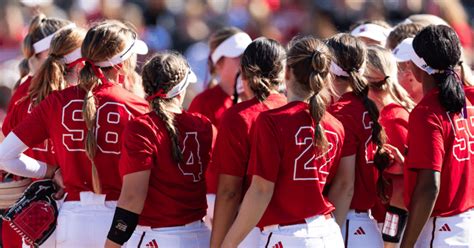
column 360, row 140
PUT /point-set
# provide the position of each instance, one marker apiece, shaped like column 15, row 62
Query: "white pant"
column 361, row 229
column 211, row 201
column 317, row 232
column 252, row 240
column 83, row 223
column 195, row 234
column 453, row 231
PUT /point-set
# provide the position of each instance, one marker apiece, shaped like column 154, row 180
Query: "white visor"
column 181, row 86
column 372, row 31
column 135, row 46
column 44, row 44
column 338, row 71
column 232, row 47
column 73, row 56
column 404, row 52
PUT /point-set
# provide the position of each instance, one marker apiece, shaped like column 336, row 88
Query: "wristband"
column 395, row 220
column 123, row 225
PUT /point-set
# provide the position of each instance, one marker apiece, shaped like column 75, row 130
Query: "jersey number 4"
column 108, row 126
column 310, row 164
column 463, row 145
column 191, row 165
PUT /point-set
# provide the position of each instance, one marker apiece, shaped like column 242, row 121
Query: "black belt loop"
column 433, row 232
column 268, row 240
column 346, row 238
column 141, row 240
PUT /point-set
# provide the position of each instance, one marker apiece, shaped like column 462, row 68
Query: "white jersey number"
column 463, row 145
column 370, row 148
column 191, row 165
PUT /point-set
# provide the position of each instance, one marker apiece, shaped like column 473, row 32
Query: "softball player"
column 394, row 105
column 226, row 47
column 163, row 163
column 362, row 151
column 294, row 150
column 35, row 49
column 438, row 166
column 263, row 70
column 84, row 123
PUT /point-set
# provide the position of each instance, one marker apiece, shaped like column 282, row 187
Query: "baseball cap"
column 372, row 31
column 134, row 46
column 232, row 47
column 404, row 52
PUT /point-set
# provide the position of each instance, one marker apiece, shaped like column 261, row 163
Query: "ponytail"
column 49, row 78
column 451, row 92
column 317, row 105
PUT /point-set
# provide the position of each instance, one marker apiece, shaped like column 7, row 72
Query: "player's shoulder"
column 348, row 103
column 330, row 122
column 394, row 111
column 194, row 119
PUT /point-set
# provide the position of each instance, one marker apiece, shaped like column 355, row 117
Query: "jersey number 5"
column 310, row 164
column 463, row 145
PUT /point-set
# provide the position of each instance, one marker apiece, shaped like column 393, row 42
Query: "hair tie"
column 159, row 94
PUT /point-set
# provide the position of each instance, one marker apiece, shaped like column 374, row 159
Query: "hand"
column 394, row 153
column 58, row 180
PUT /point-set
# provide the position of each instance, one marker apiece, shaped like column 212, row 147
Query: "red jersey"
column 211, row 103
column 232, row 151
column 59, row 118
column 357, row 123
column 394, row 120
column 283, row 152
column 443, row 142
column 20, row 93
column 176, row 191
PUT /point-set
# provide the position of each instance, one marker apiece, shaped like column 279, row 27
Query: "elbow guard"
column 395, row 220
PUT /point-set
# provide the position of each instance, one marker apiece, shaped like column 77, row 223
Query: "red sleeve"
column 195, row 106
column 34, row 129
column 231, row 152
column 397, row 133
column 6, row 126
column 425, row 137
column 265, row 152
column 138, row 152
column 351, row 142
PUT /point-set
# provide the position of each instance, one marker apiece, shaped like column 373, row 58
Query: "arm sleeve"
column 137, row 149
column 265, row 156
column 425, row 145
column 13, row 161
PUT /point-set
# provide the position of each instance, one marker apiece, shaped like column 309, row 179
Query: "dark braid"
column 350, row 54
column 439, row 46
column 263, row 65
column 161, row 73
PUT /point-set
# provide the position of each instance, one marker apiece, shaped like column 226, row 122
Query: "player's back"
column 177, row 191
column 60, row 118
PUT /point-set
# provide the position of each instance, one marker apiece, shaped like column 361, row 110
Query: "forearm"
column 340, row 195
column 225, row 210
column 253, row 206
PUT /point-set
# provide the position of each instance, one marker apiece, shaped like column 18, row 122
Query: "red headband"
column 159, row 94
column 97, row 71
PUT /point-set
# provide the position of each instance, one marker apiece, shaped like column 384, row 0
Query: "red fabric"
column 232, row 151
column 211, row 103
column 59, row 118
column 445, row 142
column 10, row 238
column 176, row 192
column 358, row 134
column 20, row 93
column 283, row 152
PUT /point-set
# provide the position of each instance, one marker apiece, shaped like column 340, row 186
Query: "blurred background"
column 185, row 25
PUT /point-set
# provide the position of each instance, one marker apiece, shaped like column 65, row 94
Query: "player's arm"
column 425, row 194
column 253, row 206
column 229, row 192
column 342, row 188
column 14, row 161
column 129, row 206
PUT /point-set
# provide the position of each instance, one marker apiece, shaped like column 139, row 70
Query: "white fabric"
column 252, row 240
column 181, row 86
column 194, row 234
column 454, row 231
column 72, row 56
column 44, row 44
column 405, row 52
column 362, row 230
column 134, row 46
column 232, row 47
column 211, row 201
column 85, row 223
column 14, row 161
column 372, row 31
column 338, row 71
column 317, row 232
